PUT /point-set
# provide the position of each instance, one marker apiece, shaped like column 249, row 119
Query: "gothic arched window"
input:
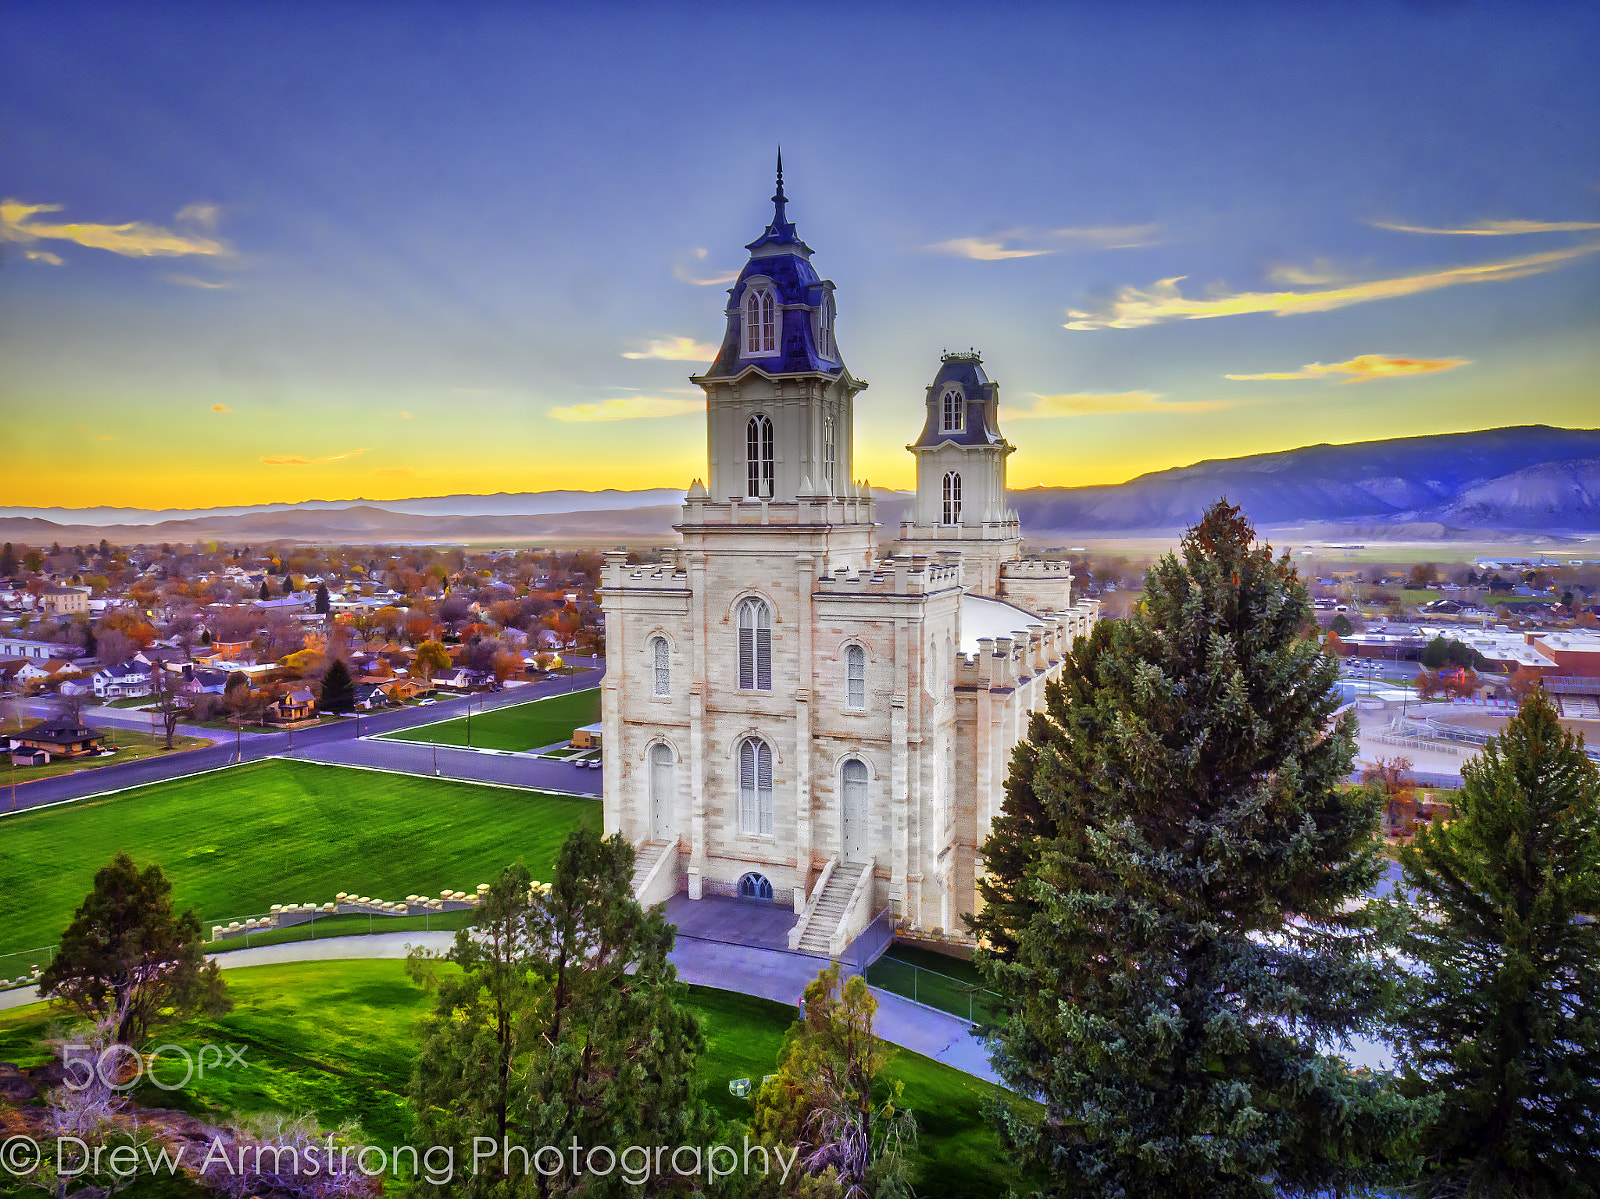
column 952, row 498
column 759, row 457
column 830, row 452
column 824, row 327
column 955, row 411
column 755, row 646
column 855, row 673
column 760, row 322
column 755, row 787
column 661, row 668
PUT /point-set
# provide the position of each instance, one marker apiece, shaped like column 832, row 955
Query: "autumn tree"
column 127, row 951
column 1172, row 901
column 432, row 657
column 1392, row 782
column 1503, row 1022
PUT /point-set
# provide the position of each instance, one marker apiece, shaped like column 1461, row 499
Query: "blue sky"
column 268, row 252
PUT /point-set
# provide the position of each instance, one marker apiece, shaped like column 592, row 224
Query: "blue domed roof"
column 781, row 261
column 980, row 399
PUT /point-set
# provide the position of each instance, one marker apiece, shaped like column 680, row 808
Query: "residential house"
column 61, row 738
column 293, row 708
column 131, row 678
column 19, row 675
column 64, row 601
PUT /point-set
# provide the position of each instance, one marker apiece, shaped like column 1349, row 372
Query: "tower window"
column 830, row 452
column 755, row 646
column 759, row 457
column 824, row 327
column 955, row 411
column 760, row 322
column 855, row 670
column 755, row 787
column 952, row 498
column 661, row 682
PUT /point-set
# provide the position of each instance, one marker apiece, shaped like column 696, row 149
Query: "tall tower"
column 779, row 411
column 961, row 475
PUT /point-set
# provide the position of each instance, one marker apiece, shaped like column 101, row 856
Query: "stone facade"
column 783, row 698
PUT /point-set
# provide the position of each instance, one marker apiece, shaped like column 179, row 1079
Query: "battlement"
column 996, row 530
column 812, row 511
column 902, row 575
column 617, row 575
column 1036, row 568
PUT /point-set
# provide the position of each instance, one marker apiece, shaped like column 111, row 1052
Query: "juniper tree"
column 1503, row 1029
column 567, row 1022
column 1166, row 899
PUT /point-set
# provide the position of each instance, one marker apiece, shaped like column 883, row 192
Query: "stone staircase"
column 829, row 909
column 645, row 859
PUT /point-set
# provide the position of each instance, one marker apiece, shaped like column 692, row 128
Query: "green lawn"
column 337, row 1039
column 130, row 747
column 233, row 842
column 519, row 727
column 938, row 980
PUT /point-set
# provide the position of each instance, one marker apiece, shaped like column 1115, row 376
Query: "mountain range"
column 1518, row 480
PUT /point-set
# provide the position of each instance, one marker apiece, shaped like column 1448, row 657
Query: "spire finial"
column 778, row 198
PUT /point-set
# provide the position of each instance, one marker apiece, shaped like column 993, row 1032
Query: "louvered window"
column 755, row 646
column 662, row 664
column 755, row 787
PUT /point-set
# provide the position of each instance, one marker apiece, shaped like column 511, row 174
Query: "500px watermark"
column 120, row 1067
column 634, row 1164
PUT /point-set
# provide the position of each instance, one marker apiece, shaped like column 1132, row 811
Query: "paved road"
column 339, row 742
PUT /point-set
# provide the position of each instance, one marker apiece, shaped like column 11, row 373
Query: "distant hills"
column 1520, row 480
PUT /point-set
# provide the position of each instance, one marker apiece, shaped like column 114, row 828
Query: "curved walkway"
column 745, row 970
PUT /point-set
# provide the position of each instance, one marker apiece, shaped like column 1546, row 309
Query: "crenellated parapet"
column 1037, row 585
column 617, row 575
column 900, row 576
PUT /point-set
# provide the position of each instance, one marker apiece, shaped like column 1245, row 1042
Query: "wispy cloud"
column 676, row 349
column 1090, row 403
column 1134, row 307
column 1364, row 368
column 627, row 408
column 44, row 256
column 191, row 281
column 1493, row 228
column 684, row 274
column 220, row 408
column 296, row 460
column 998, row 246
column 136, row 239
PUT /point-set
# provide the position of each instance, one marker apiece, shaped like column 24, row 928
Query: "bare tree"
column 170, row 707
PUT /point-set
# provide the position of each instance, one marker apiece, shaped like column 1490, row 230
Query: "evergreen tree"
column 338, row 689
column 573, row 1027
column 1503, row 1030
column 8, row 561
column 288, row 585
column 322, row 599
column 1165, row 900
column 265, row 591
column 128, row 954
column 1341, row 625
column 1436, row 653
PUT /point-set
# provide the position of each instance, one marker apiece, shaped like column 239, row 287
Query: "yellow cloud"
column 996, row 247
column 220, row 408
column 44, row 256
column 296, row 460
column 983, row 249
column 136, row 239
column 1082, row 403
column 1494, row 228
column 676, row 349
column 683, row 274
column 405, row 416
column 627, row 408
column 1134, row 308
column 191, row 281
column 1365, row 368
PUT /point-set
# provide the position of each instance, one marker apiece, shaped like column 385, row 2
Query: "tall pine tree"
column 1166, row 900
column 1503, row 1030
column 338, row 688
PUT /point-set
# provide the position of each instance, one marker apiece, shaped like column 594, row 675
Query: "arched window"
column 955, row 411
column 760, row 322
column 769, row 337
column 661, row 663
column 755, row 886
column 755, row 646
column 759, row 457
column 830, row 452
column 824, row 327
column 952, row 498
column 755, row 787
column 855, row 673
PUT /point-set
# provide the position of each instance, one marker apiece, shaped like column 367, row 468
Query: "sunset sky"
column 258, row 253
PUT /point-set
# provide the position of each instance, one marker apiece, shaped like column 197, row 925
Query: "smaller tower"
column 961, row 475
